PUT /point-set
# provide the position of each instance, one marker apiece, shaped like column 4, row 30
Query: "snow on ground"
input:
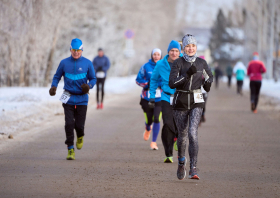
column 23, row 107
column 269, row 87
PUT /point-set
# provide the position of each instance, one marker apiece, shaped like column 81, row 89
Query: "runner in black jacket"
column 185, row 76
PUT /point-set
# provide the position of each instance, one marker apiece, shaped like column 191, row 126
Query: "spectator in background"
column 218, row 74
column 229, row 74
column 255, row 70
column 101, row 65
column 239, row 71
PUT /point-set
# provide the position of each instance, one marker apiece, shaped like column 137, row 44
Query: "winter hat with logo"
column 174, row 44
column 76, row 44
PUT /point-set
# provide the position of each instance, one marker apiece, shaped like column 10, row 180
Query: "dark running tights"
column 182, row 118
column 255, row 87
column 100, row 82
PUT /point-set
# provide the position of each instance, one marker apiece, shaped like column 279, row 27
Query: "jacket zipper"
column 74, row 83
column 189, row 95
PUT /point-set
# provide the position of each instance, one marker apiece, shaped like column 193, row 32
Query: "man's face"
column 100, row 53
column 174, row 54
column 190, row 49
column 76, row 54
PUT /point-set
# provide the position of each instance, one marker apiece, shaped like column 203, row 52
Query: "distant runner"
column 79, row 77
column 255, row 70
column 239, row 71
column 101, row 65
column 152, row 115
column 188, row 102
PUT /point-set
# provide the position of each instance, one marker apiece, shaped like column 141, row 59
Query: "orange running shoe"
column 154, row 146
column 101, row 106
column 255, row 111
column 146, row 135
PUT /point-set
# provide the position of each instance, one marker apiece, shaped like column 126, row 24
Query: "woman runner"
column 188, row 102
column 152, row 115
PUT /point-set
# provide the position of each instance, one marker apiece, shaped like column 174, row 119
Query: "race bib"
column 171, row 99
column 158, row 93
column 65, row 97
column 100, row 74
column 198, row 97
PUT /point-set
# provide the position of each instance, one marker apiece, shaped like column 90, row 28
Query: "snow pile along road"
column 22, row 108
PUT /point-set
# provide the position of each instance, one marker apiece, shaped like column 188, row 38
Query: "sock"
column 148, row 127
column 70, row 147
column 182, row 159
column 156, row 128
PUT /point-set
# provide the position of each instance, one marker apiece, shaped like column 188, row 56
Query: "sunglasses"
column 76, row 50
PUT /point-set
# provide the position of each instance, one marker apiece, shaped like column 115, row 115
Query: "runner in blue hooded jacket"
column 79, row 77
column 162, row 71
column 152, row 115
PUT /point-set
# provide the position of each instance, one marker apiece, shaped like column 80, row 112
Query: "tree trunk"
column 50, row 58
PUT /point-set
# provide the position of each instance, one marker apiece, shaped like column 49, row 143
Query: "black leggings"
column 151, row 114
column 100, row 82
column 75, row 117
column 187, row 123
column 169, row 131
column 239, row 86
column 255, row 87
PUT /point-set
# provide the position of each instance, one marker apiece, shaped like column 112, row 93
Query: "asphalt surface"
column 239, row 155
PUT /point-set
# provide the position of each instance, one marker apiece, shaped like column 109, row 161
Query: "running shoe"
column 98, row 106
column 80, row 142
column 253, row 106
column 175, row 145
column 193, row 174
column 154, row 146
column 255, row 111
column 71, row 154
column 168, row 160
column 101, row 106
column 181, row 171
column 147, row 134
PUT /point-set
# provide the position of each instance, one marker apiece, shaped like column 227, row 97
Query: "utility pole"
column 271, row 39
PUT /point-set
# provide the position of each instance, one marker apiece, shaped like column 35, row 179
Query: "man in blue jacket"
column 162, row 71
column 79, row 77
column 101, row 65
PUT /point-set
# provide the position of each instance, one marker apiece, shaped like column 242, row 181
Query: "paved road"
column 238, row 156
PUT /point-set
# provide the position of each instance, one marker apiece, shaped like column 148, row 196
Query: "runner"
column 162, row 71
column 152, row 115
column 101, row 65
column 239, row 71
column 255, row 70
column 229, row 74
column 79, row 77
column 185, row 76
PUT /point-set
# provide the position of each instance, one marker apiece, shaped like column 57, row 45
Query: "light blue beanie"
column 174, row 44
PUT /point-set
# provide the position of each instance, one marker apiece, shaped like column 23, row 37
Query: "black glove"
column 192, row 70
column 152, row 103
column 52, row 91
column 207, row 86
column 85, row 88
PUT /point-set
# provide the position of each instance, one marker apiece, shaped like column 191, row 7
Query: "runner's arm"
column 107, row 64
column 175, row 79
column 58, row 74
column 140, row 79
column 208, row 77
column 154, row 81
column 91, row 76
column 263, row 69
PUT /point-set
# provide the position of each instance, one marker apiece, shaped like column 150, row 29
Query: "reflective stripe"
column 76, row 76
column 179, row 80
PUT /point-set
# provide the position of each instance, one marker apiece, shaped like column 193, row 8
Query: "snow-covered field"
column 23, row 107
column 268, row 88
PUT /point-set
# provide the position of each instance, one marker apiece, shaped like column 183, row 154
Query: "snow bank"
column 23, row 107
column 269, row 87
